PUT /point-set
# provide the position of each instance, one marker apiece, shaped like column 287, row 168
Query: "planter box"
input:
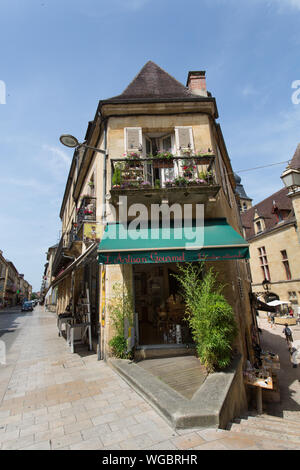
column 161, row 163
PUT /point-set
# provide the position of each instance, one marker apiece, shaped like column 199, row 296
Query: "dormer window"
column 258, row 227
column 259, row 223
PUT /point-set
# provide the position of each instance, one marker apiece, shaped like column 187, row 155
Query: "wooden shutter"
column 133, row 138
column 184, row 138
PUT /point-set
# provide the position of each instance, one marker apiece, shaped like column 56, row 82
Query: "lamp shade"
column 69, row 140
column 291, row 177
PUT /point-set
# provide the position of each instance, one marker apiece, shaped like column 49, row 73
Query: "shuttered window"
column 184, row 138
column 133, row 138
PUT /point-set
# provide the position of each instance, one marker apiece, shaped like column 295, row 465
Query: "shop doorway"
column 159, row 306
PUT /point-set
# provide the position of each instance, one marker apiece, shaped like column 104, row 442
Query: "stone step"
column 265, row 424
column 265, row 433
column 273, row 418
column 275, row 421
column 264, row 442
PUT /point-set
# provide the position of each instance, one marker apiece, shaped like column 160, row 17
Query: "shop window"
column 286, row 265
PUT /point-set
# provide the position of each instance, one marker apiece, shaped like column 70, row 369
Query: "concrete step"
column 265, row 433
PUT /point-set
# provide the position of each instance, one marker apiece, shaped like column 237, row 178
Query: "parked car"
column 27, row 306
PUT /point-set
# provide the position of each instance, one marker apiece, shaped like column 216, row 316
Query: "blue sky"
column 58, row 58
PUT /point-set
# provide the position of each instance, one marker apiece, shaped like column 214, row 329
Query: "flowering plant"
column 163, row 154
column 146, row 184
column 202, row 152
column 131, row 155
column 181, row 181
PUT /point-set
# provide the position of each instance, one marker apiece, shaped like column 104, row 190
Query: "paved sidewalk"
column 52, row 399
column 273, row 339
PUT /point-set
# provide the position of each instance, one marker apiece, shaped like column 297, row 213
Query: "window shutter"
column 184, row 138
column 133, row 138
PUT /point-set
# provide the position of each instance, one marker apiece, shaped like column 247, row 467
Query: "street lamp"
column 291, row 178
column 71, row 142
column 266, row 285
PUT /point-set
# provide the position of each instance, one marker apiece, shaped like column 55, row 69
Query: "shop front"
column 152, row 263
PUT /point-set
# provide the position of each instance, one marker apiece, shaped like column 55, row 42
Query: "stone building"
column 13, row 287
column 244, row 201
column 272, row 229
column 157, row 143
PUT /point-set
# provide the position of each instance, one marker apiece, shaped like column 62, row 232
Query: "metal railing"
column 87, row 210
column 153, row 173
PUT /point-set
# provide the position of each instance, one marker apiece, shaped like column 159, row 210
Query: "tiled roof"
column 265, row 209
column 153, row 82
column 295, row 162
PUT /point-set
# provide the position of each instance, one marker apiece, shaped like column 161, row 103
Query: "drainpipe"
column 100, row 345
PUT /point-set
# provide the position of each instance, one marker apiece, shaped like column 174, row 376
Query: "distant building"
column 13, row 287
column 244, row 201
column 272, row 229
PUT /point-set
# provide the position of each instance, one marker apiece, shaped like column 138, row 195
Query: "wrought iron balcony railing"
column 155, row 173
column 87, row 210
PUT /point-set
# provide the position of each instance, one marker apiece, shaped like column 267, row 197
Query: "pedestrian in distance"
column 272, row 316
column 288, row 334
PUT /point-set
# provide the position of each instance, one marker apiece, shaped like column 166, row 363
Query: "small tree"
column 209, row 315
column 121, row 312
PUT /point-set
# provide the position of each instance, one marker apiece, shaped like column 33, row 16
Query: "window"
column 264, row 263
column 286, row 265
column 184, row 138
column 293, row 297
column 258, row 227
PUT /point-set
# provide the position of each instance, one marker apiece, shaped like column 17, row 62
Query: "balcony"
column 176, row 179
column 87, row 210
column 61, row 259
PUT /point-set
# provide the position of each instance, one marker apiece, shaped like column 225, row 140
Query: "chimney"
column 196, row 82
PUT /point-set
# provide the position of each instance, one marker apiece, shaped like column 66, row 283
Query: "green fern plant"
column 209, row 315
column 121, row 312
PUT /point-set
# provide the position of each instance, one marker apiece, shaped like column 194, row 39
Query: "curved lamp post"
column 70, row 141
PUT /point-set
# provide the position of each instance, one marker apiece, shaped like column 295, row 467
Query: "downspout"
column 100, row 345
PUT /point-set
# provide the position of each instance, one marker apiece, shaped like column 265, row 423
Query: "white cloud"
column 249, row 90
column 58, row 154
column 287, row 3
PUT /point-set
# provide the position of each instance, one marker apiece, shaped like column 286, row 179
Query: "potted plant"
column 146, row 184
column 188, row 168
column 163, row 160
column 169, row 183
column 181, row 181
column 132, row 159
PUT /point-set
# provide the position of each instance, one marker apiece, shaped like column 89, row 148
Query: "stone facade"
column 272, row 229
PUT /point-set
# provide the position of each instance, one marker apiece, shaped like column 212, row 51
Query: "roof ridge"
column 153, row 81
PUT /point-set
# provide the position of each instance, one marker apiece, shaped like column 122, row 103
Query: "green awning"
column 122, row 245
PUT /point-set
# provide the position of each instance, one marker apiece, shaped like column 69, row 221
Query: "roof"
column 154, row 82
column 295, row 162
column 239, row 189
column 265, row 209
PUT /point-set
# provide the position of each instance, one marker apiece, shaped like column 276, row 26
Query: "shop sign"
column 173, row 256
